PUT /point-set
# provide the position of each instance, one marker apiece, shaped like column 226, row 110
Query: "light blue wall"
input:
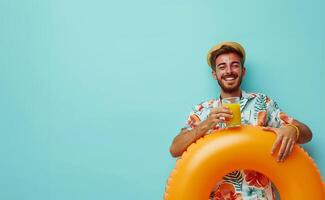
column 93, row 92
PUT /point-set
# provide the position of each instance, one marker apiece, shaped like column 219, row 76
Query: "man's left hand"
column 285, row 140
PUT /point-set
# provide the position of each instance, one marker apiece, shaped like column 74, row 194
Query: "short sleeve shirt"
column 256, row 109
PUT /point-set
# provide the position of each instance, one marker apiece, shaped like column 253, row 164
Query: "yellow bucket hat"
column 234, row 45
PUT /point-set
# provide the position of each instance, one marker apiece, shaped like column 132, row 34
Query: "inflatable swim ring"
column 247, row 147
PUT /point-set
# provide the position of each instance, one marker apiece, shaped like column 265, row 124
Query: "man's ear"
column 214, row 74
column 244, row 71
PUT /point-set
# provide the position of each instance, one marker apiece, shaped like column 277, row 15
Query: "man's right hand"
column 186, row 137
column 217, row 115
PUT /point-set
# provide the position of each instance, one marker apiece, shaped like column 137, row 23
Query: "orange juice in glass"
column 233, row 104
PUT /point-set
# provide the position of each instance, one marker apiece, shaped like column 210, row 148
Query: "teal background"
column 93, row 92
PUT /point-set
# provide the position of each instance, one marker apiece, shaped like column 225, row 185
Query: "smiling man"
column 227, row 63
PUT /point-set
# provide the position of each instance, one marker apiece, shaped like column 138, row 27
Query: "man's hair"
column 224, row 50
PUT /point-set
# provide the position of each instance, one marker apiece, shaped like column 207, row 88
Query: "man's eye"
column 222, row 67
column 236, row 65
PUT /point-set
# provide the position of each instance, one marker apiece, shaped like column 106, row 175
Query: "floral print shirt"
column 256, row 109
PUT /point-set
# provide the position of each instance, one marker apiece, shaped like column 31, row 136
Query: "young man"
column 227, row 63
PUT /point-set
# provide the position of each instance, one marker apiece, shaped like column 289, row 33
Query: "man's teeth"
column 229, row 78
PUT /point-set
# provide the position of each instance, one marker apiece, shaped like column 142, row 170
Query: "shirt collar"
column 246, row 95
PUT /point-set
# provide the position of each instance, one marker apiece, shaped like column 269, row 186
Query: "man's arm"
column 287, row 137
column 305, row 134
column 286, row 134
column 186, row 137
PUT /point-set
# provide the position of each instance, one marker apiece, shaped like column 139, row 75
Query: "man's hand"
column 286, row 139
column 218, row 115
column 186, row 137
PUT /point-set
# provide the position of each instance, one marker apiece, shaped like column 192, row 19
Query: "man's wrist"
column 201, row 129
column 296, row 130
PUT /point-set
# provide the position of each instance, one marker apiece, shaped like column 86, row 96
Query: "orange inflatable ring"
column 247, row 147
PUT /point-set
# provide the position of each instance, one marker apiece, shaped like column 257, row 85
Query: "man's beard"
column 232, row 89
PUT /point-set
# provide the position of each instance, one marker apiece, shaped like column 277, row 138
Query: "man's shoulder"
column 259, row 97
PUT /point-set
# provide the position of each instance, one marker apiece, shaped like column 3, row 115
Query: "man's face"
column 228, row 72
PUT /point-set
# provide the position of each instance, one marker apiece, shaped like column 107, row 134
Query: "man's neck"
column 230, row 94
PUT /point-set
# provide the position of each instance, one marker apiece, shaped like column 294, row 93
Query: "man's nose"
column 228, row 69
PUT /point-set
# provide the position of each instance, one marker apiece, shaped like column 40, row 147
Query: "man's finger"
column 221, row 116
column 225, row 110
column 268, row 129
column 292, row 145
column 287, row 150
column 282, row 148
column 224, row 115
column 220, row 110
column 276, row 143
